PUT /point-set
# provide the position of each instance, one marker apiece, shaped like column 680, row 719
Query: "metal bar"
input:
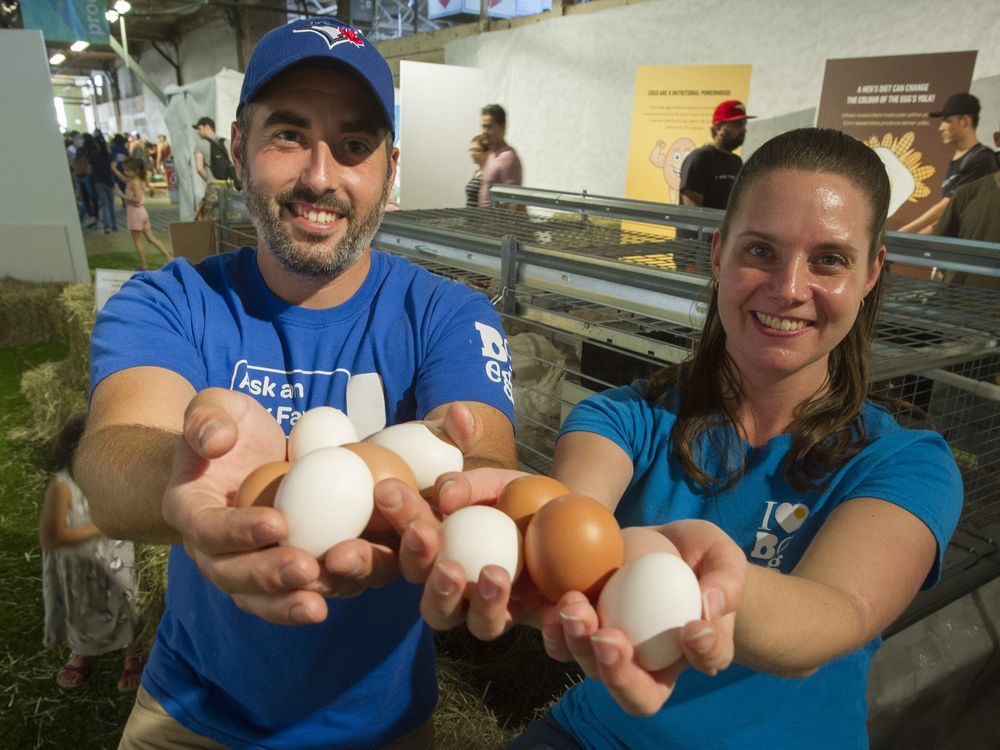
column 981, row 258
column 139, row 72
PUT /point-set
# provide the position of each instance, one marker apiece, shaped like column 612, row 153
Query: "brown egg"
column 573, row 543
column 383, row 464
column 522, row 498
column 261, row 485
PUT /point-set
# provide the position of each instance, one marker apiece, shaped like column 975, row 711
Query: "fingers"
column 461, row 427
column 362, row 563
column 709, row 646
column 579, row 623
column 214, row 530
column 455, row 490
column 442, row 605
column 488, row 615
column 209, row 424
column 638, row 692
column 294, row 608
column 415, row 523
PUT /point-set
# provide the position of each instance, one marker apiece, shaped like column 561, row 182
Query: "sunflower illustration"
column 906, row 173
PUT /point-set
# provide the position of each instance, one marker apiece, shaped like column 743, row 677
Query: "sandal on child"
column 131, row 676
column 72, row 675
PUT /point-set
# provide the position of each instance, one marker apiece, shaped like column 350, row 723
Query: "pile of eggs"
column 325, row 489
column 568, row 542
column 564, row 541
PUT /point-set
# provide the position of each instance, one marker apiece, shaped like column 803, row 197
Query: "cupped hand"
column 573, row 632
column 227, row 435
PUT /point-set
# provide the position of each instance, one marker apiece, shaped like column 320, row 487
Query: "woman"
column 478, row 151
column 840, row 514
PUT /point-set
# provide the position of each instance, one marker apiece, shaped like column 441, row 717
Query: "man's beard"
column 265, row 213
column 731, row 142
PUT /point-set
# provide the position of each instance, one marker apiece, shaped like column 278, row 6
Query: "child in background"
column 88, row 580
column 135, row 211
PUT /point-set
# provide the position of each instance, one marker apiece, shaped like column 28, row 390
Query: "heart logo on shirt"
column 789, row 516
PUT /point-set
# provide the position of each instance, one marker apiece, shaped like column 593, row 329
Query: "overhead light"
column 112, row 16
column 79, row 46
column 57, row 59
column 123, row 6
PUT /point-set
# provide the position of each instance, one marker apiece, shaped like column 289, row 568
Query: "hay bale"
column 52, row 399
column 29, row 313
column 77, row 303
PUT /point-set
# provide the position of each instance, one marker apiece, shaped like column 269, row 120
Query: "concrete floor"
column 161, row 214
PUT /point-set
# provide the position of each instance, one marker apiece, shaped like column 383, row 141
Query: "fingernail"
column 263, row 533
column 703, row 641
column 445, row 486
column 292, row 576
column 714, row 603
column 573, row 625
column 551, row 640
column 414, row 541
column 605, row 650
column 488, row 586
column 208, row 430
column 299, row 613
column 442, row 582
column 353, row 565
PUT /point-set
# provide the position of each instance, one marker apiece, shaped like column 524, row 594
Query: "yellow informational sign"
column 671, row 116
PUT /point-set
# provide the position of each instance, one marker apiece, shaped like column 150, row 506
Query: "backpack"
column 219, row 164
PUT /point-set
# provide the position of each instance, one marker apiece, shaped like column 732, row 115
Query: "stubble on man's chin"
column 323, row 265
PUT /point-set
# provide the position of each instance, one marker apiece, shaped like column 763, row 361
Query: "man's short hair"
column 496, row 113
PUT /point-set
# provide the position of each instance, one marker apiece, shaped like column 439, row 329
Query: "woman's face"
column 478, row 154
column 792, row 272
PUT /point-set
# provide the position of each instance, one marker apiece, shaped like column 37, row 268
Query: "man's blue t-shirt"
column 406, row 342
column 773, row 523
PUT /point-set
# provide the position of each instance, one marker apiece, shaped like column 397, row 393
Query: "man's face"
column 952, row 127
column 733, row 134
column 493, row 132
column 203, row 131
column 315, row 170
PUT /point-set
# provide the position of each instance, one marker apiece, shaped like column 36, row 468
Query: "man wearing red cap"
column 972, row 160
column 708, row 173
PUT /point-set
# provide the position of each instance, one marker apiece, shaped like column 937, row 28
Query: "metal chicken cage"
column 597, row 291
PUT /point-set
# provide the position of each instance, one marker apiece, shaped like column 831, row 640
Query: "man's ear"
column 235, row 149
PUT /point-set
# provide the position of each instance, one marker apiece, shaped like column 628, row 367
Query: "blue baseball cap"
column 319, row 39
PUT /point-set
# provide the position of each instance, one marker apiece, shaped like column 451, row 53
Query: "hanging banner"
column 67, row 20
column 885, row 102
column 671, row 116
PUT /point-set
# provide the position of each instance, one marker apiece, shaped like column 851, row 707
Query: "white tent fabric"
column 216, row 97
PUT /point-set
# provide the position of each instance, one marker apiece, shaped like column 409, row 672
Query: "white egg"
column 480, row 535
column 326, row 497
column 425, row 453
column 650, row 599
column 321, row 427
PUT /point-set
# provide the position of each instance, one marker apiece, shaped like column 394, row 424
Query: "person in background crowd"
column 136, row 215
column 104, row 183
column 176, row 422
column 708, row 172
column 163, row 152
column 503, row 167
column 479, row 152
column 971, row 160
column 205, row 127
column 88, row 580
column 86, row 152
column 119, row 153
column 811, row 516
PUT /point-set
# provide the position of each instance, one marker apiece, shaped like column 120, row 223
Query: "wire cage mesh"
column 935, row 352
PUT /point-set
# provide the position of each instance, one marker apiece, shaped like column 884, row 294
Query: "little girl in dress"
column 136, row 215
column 88, row 580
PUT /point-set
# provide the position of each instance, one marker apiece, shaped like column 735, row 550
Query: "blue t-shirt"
column 406, row 342
column 773, row 523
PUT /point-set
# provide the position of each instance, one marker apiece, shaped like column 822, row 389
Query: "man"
column 205, row 127
column 198, row 375
column 503, row 167
column 971, row 160
column 973, row 213
column 708, row 172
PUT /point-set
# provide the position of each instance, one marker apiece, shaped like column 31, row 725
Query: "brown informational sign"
column 885, row 102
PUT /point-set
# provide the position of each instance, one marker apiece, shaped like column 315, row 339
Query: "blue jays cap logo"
column 334, row 35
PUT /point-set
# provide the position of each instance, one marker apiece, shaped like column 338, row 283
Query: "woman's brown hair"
column 829, row 428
